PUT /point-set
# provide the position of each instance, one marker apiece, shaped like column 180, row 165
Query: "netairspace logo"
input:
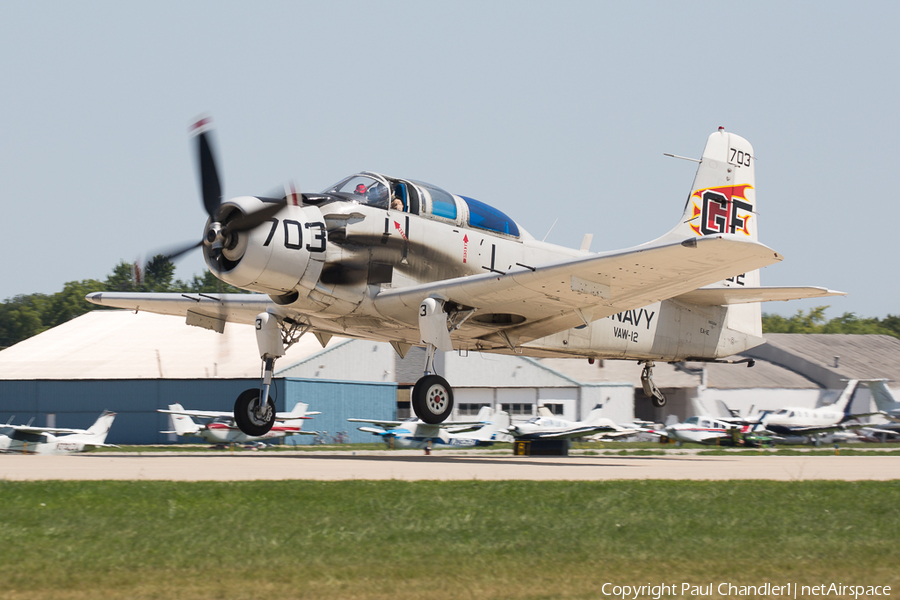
column 788, row 590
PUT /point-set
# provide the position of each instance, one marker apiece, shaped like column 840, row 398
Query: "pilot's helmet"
column 361, row 189
column 377, row 195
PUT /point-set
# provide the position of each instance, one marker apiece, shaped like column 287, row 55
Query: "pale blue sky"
column 544, row 109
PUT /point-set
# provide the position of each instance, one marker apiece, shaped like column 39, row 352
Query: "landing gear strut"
column 432, row 396
column 650, row 389
column 254, row 409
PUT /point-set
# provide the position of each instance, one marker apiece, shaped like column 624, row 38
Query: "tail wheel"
column 251, row 418
column 432, row 399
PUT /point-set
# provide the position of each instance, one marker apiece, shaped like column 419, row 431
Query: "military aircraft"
column 488, row 427
column 220, row 429
column 26, row 439
column 398, row 260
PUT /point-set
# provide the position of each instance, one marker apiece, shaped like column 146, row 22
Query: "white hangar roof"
column 115, row 344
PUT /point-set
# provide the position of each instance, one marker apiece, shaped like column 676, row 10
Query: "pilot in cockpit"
column 377, row 195
column 361, row 189
column 397, row 202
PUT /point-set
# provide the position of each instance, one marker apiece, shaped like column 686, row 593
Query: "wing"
column 204, row 310
column 385, row 424
column 203, row 414
column 597, row 285
column 813, row 430
column 577, row 432
column 617, row 433
column 31, row 429
column 375, row 430
column 743, row 295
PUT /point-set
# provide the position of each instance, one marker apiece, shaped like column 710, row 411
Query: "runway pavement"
column 413, row 465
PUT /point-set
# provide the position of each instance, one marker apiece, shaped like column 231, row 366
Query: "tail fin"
column 183, row 424
column 723, row 196
column 884, row 400
column 845, row 400
column 497, row 420
column 595, row 415
column 101, row 426
column 723, row 200
column 298, row 412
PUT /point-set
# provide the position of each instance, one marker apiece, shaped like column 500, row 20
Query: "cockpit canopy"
column 423, row 199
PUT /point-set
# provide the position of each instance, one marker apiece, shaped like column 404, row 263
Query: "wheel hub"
column 436, row 399
column 260, row 413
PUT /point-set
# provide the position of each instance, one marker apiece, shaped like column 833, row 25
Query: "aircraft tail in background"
column 183, row 424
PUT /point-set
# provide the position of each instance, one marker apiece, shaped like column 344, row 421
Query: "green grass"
column 393, row 539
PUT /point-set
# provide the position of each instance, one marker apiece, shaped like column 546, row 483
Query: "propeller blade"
column 210, row 186
column 176, row 251
column 251, row 220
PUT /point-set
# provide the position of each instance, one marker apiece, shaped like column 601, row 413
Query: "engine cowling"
column 277, row 256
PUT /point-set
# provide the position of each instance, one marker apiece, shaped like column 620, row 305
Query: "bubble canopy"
column 424, row 199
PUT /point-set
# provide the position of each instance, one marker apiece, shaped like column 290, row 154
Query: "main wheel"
column 658, row 401
column 250, row 418
column 432, row 399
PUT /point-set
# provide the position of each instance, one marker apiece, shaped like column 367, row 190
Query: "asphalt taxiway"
column 414, row 465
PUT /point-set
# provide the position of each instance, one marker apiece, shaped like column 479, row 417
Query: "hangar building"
column 133, row 364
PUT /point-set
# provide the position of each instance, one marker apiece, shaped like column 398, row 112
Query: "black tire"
column 432, row 399
column 245, row 417
column 658, row 402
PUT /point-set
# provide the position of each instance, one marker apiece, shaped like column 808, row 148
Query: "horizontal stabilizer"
column 744, row 295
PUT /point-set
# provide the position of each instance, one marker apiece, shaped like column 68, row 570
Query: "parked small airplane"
column 704, row 429
column 26, row 439
column 799, row 425
column 488, row 427
column 390, row 259
column 547, row 426
column 222, row 430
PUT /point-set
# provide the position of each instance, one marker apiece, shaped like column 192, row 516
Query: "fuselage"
column 329, row 257
column 227, row 433
column 40, row 443
column 699, row 430
column 788, row 420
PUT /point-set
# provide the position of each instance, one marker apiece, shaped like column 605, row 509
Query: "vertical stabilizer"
column 296, row 416
column 497, row 420
column 595, row 415
column 723, row 196
column 100, row 428
column 722, row 200
column 183, row 424
column 845, row 400
column 884, row 400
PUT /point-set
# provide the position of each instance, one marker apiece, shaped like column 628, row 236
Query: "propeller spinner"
column 223, row 226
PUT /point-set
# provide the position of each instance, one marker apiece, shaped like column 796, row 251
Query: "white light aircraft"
column 25, row 439
column 489, row 427
column 798, row 425
column 221, row 429
column 391, row 259
column 547, row 426
column 704, row 429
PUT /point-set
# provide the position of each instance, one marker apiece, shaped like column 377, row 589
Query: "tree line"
column 29, row 314
column 26, row 315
